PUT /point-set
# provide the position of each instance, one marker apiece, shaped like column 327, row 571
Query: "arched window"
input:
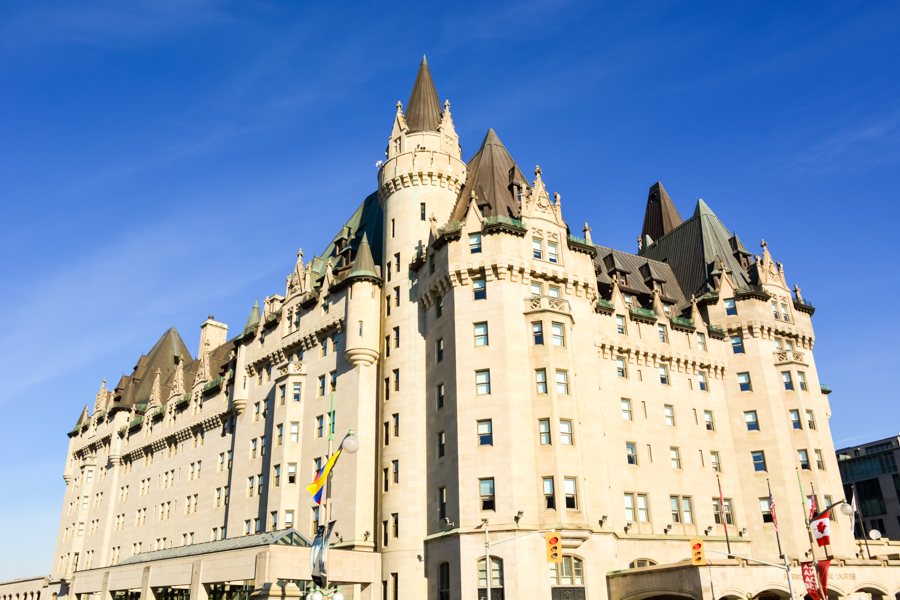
column 496, row 579
column 567, row 578
column 444, row 581
column 642, row 562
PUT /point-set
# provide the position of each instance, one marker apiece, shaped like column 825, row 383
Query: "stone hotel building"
column 505, row 376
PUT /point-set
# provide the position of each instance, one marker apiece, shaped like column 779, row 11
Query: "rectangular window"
column 751, row 420
column 544, row 431
column 396, row 337
column 321, row 385
column 537, row 289
column 549, row 493
column 675, row 457
column 643, row 508
column 663, row 333
column 439, row 395
column 421, row 211
column 559, row 334
column 553, row 252
column 297, row 389
column 395, row 525
column 714, row 461
column 744, row 382
column 629, row 508
column 621, row 368
column 292, row 473
column 775, row 311
column 441, row 443
column 627, row 415
column 483, row 382
column 759, row 460
column 537, row 248
column 570, row 488
column 664, row 374
column 566, row 432
column 820, row 460
column 333, row 375
column 439, row 350
column 708, row 420
column 481, row 334
column 475, row 243
column 669, row 412
column 276, row 475
column 442, row 502
column 701, row 379
column 803, row 459
column 631, row 456
column 795, row 419
column 439, row 307
column 788, row 381
column 765, row 509
column 701, row 342
column 537, row 333
column 621, row 327
column 562, row 382
column 486, row 432
column 810, row 419
column 295, row 431
column 730, row 307
column 553, row 291
column 395, row 470
column 486, row 490
column 784, row 312
column 279, row 437
column 320, row 426
column 396, row 373
column 479, row 288
column 717, row 511
column 737, row 344
column 801, row 380
column 540, row 380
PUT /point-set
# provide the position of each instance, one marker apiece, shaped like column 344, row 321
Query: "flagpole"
column 327, row 510
column 812, row 546
column 858, row 515
column 787, row 565
column 812, row 488
column 724, row 516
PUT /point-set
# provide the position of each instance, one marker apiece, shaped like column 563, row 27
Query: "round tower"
column 363, row 306
column 419, row 181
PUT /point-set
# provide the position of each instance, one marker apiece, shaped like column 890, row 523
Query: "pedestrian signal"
column 698, row 555
column 553, row 543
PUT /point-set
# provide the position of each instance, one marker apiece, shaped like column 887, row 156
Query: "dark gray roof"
column 423, row 112
column 489, row 174
column 135, row 389
column 694, row 248
column 641, row 272
column 285, row 537
column 661, row 216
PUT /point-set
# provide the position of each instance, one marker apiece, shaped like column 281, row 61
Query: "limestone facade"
column 505, row 377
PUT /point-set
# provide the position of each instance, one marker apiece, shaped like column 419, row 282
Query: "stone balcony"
column 547, row 303
column 783, row 357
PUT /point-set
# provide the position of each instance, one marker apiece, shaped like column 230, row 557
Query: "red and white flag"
column 821, row 528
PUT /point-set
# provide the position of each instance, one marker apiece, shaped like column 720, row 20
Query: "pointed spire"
column 661, row 216
column 363, row 264
column 101, row 396
column 423, row 111
column 703, row 209
column 492, row 175
column 253, row 318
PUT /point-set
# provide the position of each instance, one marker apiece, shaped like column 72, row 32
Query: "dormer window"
column 475, row 243
column 629, row 299
column 623, row 278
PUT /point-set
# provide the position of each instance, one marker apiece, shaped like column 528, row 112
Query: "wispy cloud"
column 872, row 143
column 105, row 23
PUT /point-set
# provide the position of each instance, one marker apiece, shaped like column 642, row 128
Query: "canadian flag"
column 821, row 528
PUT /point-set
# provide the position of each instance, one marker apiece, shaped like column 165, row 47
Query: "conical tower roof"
column 253, row 318
column 661, row 216
column 489, row 174
column 423, row 111
column 363, row 264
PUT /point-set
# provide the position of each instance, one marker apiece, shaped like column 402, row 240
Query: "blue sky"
column 163, row 160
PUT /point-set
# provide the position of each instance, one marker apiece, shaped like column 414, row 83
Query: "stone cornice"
column 652, row 356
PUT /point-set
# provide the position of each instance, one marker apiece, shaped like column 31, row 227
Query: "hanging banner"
column 808, row 572
column 823, row 574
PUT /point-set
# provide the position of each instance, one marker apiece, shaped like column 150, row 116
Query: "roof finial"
column 640, row 241
column 763, row 244
column 586, row 230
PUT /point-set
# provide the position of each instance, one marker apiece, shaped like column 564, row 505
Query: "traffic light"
column 698, row 556
column 553, row 543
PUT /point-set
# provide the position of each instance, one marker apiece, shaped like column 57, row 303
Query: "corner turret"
column 363, row 316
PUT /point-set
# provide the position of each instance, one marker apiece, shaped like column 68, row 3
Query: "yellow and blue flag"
column 318, row 484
